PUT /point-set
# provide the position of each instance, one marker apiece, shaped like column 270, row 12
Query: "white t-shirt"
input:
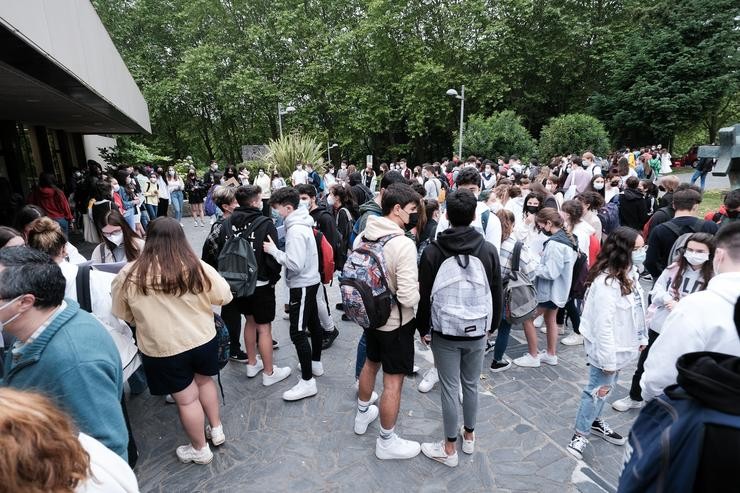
column 299, row 177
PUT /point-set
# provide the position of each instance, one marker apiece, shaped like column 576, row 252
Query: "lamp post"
column 283, row 111
column 453, row 93
column 329, row 147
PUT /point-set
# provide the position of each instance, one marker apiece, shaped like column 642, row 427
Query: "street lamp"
column 283, row 111
column 329, row 147
column 453, row 93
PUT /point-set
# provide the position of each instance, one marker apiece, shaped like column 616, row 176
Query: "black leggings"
column 163, row 208
column 571, row 309
column 635, row 389
column 304, row 314
column 233, row 320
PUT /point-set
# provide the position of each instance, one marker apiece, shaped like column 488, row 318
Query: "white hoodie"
column 300, row 257
column 701, row 321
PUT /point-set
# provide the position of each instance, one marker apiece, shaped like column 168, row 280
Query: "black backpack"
column 237, row 262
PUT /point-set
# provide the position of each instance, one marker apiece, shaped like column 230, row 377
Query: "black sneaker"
column 601, row 429
column 340, row 307
column 329, row 338
column 489, row 346
column 345, row 318
column 238, row 356
column 497, row 366
column 275, row 344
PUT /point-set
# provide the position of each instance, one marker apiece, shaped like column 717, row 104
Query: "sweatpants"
column 304, row 315
column 458, row 362
column 322, row 302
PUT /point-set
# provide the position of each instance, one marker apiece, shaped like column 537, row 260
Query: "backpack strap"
column 484, row 220
column 82, row 282
column 515, row 256
column 673, row 227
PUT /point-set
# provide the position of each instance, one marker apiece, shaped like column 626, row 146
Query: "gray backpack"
column 520, row 296
column 237, row 263
column 461, row 297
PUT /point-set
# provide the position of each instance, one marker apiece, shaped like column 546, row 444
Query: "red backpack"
column 326, row 256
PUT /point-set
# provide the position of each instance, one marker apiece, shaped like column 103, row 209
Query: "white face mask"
column 116, row 188
column 305, row 204
column 115, row 238
column 494, row 207
column 261, row 173
column 598, row 186
column 696, row 258
column 330, row 200
column 4, row 324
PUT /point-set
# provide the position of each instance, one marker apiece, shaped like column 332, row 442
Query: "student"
column 662, row 237
column 259, row 308
column 163, row 206
column 553, row 277
column 10, row 237
column 167, row 291
column 458, row 357
column 119, row 242
column 51, row 198
column 196, row 191
column 151, row 194
column 324, row 221
column 485, row 221
column 175, row 187
column 263, row 181
column 701, row 321
column 60, row 350
column 613, row 327
column 391, row 346
column 301, row 261
column 632, row 205
column 689, row 274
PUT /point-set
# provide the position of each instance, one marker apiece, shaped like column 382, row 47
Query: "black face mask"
column 413, row 220
column 544, row 232
column 532, row 209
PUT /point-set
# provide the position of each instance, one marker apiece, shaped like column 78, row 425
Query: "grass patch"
column 711, row 200
column 683, row 170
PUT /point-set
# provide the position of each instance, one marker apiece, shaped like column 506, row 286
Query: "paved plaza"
column 525, row 421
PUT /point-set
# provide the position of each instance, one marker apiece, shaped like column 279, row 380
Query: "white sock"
column 386, row 434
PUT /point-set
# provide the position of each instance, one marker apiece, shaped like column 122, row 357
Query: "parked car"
column 687, row 159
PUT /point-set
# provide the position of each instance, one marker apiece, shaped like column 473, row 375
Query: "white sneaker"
column 216, row 434
column 415, row 369
column 436, row 451
column 363, row 420
column 186, row 453
column 396, row 448
column 195, row 224
column 253, row 370
column 549, row 359
column 168, row 399
column 528, row 361
column 431, row 377
column 561, row 329
column 539, row 321
column 301, row 390
column 572, row 340
column 278, row 375
column 468, row 446
column 317, row 368
column 626, row 404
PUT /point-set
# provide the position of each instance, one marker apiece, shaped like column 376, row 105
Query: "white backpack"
column 461, row 297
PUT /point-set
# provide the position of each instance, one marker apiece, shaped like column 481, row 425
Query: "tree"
column 573, row 133
column 501, row 134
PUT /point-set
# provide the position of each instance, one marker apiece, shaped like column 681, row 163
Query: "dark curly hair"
column 615, row 258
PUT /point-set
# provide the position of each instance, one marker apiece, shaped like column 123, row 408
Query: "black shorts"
column 394, row 349
column 261, row 305
column 172, row 374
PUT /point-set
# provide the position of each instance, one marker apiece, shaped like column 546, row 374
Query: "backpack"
column 237, row 263
column 316, row 181
column 681, row 238
column 484, row 220
column 222, row 338
column 461, row 297
column 366, row 297
column 340, row 254
column 649, row 224
column 609, row 216
column 665, row 444
column 326, row 256
column 520, row 295
column 210, row 205
column 356, row 229
column 580, row 273
column 594, row 247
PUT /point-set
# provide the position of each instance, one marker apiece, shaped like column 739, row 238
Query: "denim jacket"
column 555, row 272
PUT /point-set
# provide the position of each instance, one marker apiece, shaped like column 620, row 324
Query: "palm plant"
column 283, row 153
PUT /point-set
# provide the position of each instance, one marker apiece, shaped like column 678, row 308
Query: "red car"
column 687, row 159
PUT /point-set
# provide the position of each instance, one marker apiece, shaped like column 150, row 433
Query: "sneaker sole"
column 439, row 459
column 549, row 363
column 293, row 399
column 625, row 409
column 218, row 443
column 609, row 439
column 270, row 384
column 499, row 370
column 383, row 456
column 196, row 461
column 472, row 445
column 527, row 365
column 243, row 361
column 578, row 455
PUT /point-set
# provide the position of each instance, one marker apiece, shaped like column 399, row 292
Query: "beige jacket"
column 403, row 274
column 167, row 325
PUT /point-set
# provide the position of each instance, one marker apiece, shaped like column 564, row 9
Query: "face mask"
column 171, row 173
column 598, row 186
column 494, row 207
column 116, row 188
column 214, row 167
column 330, row 200
column 615, row 184
column 638, row 257
column 115, row 238
column 696, row 258
column 532, row 209
column 3, row 324
column 413, row 221
column 305, row 204
column 261, row 173
column 544, row 231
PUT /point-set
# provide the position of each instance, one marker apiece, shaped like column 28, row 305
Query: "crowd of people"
column 451, row 254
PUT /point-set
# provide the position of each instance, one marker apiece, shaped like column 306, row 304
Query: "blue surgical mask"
column 305, row 204
column 638, row 257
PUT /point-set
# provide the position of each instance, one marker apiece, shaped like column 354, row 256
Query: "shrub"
column 575, row 132
column 501, row 134
column 284, row 152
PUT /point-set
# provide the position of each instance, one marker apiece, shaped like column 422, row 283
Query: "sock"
column 453, row 439
column 468, row 430
column 386, row 434
column 362, row 406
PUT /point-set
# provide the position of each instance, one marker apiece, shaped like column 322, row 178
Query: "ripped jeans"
column 593, row 397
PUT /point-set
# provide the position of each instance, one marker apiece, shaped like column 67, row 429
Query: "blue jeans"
column 361, row 355
column 152, row 211
column 128, row 215
column 176, row 199
column 144, row 216
column 591, row 402
column 699, row 175
column 502, row 338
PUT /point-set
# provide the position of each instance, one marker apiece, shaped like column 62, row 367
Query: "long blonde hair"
column 39, row 448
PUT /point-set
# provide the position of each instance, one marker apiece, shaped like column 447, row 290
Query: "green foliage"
column 130, row 152
column 284, row 152
column 501, row 134
column 573, row 133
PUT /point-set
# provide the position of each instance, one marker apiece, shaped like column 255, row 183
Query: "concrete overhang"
column 60, row 69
